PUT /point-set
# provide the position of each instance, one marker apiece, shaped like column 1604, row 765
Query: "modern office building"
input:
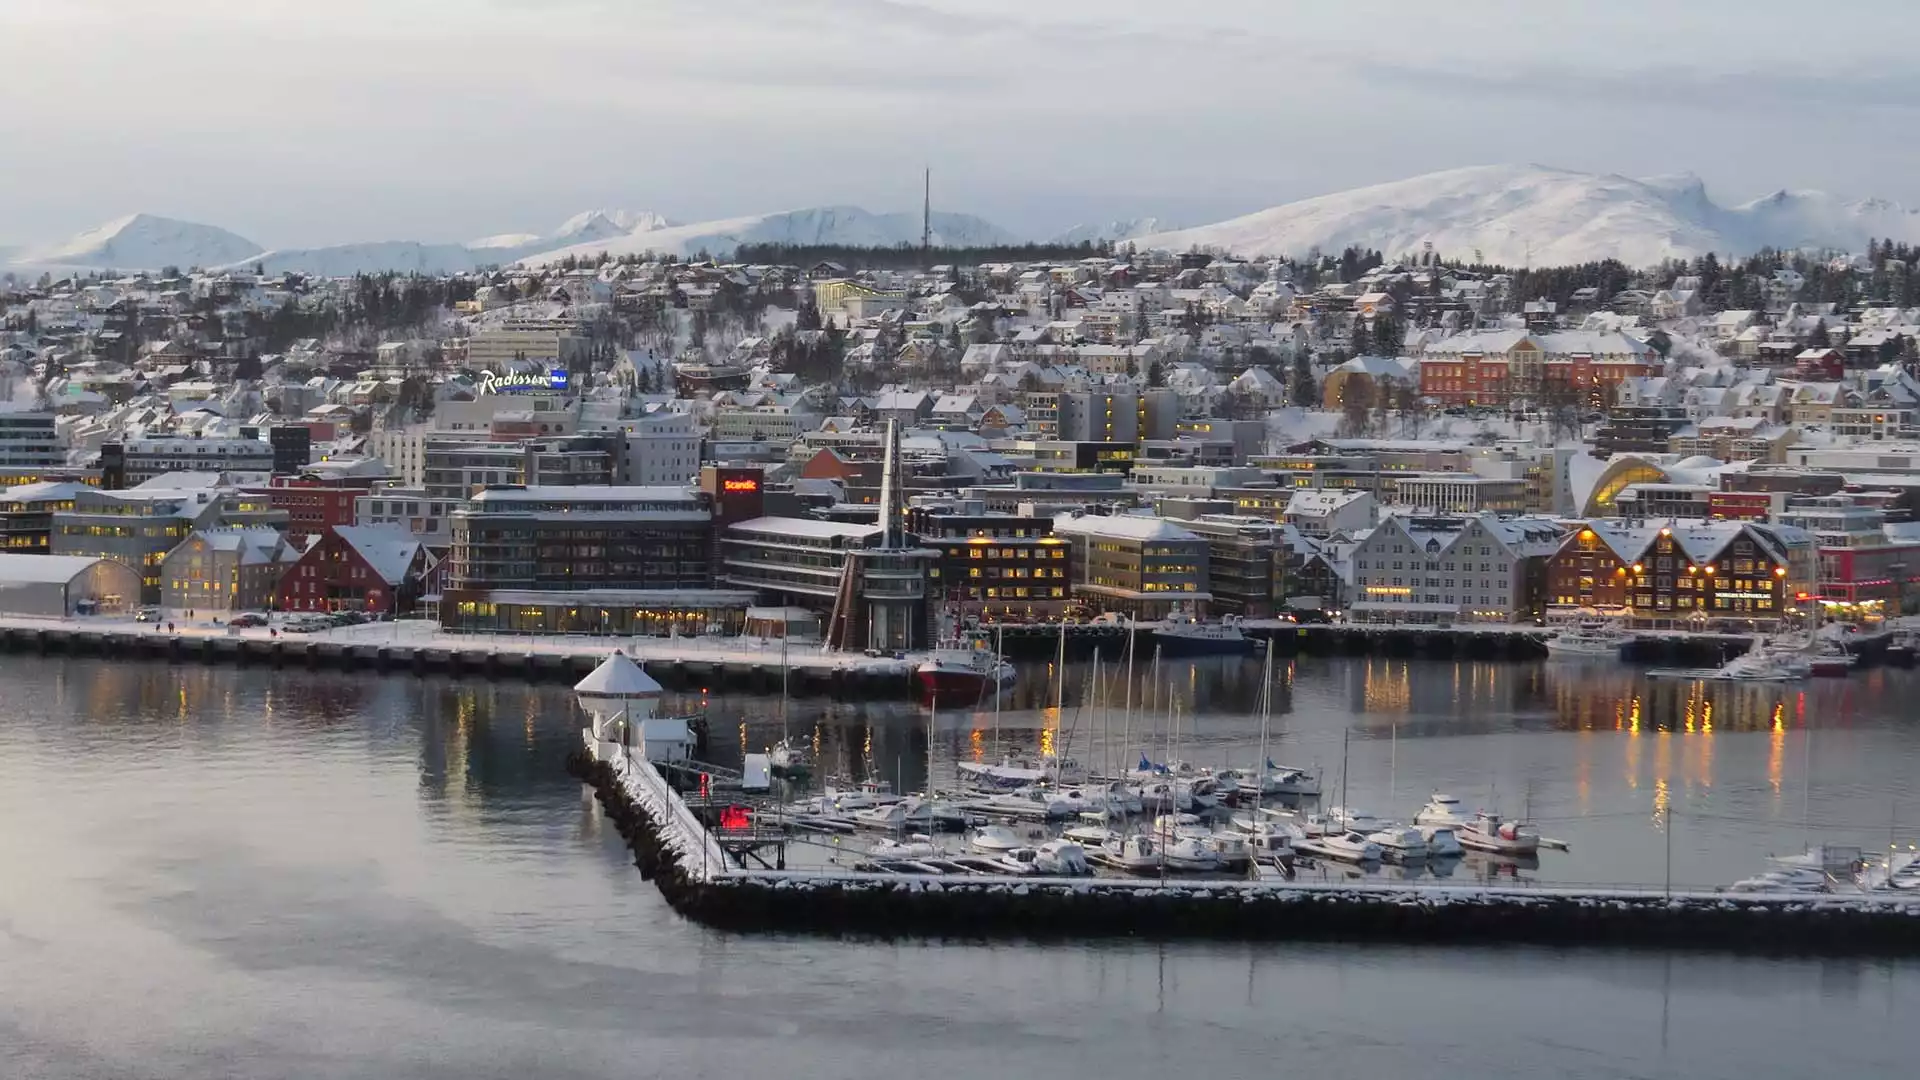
column 526, row 558
column 1142, row 566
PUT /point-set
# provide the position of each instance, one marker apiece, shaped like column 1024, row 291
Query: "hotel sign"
column 492, row 383
column 742, row 486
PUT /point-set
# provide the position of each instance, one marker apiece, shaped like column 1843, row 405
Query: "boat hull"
column 1184, row 645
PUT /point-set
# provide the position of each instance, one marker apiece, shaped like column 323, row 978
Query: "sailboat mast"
column 999, row 654
column 1060, row 686
column 1266, row 721
column 1126, row 723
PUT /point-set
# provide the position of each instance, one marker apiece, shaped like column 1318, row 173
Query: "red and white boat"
column 962, row 675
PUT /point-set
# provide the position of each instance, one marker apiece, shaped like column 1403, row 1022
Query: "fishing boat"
column 1757, row 665
column 1269, row 843
column 1586, row 641
column 1487, row 832
column 1182, row 635
column 960, row 674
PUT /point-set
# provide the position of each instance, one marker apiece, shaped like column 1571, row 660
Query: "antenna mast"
column 926, row 213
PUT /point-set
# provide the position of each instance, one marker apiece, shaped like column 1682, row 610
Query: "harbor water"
column 243, row 872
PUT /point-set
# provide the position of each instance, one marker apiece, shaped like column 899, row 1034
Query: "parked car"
column 248, row 618
column 147, row 614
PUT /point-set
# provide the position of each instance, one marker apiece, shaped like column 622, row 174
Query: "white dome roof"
column 618, row 677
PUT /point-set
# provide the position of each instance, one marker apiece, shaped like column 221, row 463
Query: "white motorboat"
column 1269, row 843
column 1162, row 795
column 995, row 839
column 1090, row 836
column 1757, row 665
column 1180, row 634
column 1346, row 847
column 1442, row 841
column 868, row 794
column 1587, row 640
column 1231, row 848
column 1399, row 843
column 1055, row 858
column 1800, row 879
column 1014, row 772
column 1028, row 802
column 1134, row 853
column 1187, row 855
column 1171, row 824
column 1442, row 810
column 932, row 814
column 919, row 847
column 890, row 817
column 1348, row 819
column 1111, row 798
column 1487, row 832
column 1281, row 780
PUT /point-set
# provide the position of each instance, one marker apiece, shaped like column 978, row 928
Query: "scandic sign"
column 740, row 485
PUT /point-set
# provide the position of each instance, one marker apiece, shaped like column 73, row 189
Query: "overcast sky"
column 328, row 121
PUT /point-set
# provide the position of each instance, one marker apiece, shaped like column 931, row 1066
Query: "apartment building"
column 1142, row 566
column 1454, row 569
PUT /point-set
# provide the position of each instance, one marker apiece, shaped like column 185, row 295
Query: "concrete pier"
column 695, row 874
column 680, row 663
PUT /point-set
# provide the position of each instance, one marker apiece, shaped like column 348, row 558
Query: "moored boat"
column 1181, row 635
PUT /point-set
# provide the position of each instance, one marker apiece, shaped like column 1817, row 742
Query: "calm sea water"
column 216, row 872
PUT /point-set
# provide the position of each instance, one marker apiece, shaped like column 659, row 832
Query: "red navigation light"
column 735, row 818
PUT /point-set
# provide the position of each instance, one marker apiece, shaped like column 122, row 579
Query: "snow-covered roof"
column 22, row 569
column 1120, row 527
column 807, row 527
column 389, row 549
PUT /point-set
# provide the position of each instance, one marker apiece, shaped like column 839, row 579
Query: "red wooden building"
column 373, row 568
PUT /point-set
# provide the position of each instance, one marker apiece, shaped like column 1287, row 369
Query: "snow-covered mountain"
column 817, row 225
column 140, row 242
column 1515, row 213
column 1113, row 231
column 593, row 225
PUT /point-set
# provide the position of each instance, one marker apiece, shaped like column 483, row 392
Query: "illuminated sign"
column 491, row 383
column 744, row 486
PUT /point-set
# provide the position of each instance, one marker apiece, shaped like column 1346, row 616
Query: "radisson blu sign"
column 490, row 383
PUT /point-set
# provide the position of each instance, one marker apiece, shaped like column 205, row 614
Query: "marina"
column 1231, row 867
column 463, row 882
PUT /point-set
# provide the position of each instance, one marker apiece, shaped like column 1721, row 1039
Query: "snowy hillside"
column 401, row 256
column 1112, row 232
column 142, row 242
column 820, row 225
column 1515, row 213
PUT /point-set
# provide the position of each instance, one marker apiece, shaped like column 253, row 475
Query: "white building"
column 1446, row 570
column 659, row 448
column 536, row 341
column 148, row 458
column 410, row 508
column 1324, row 512
column 28, row 441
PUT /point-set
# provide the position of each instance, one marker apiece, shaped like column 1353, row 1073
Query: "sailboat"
column 786, row 759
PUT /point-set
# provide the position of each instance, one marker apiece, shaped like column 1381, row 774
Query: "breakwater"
column 689, row 665
column 699, row 879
